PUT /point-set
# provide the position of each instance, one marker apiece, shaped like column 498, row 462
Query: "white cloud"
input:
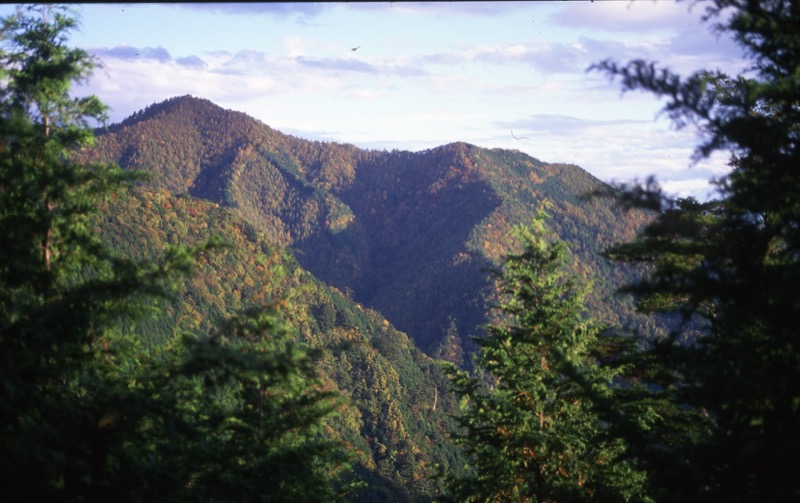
column 427, row 74
column 296, row 46
column 699, row 188
column 641, row 16
column 616, row 150
column 448, row 9
column 192, row 62
column 127, row 52
column 337, row 64
column 552, row 57
column 299, row 10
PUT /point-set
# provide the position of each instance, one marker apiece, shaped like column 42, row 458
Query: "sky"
column 414, row 76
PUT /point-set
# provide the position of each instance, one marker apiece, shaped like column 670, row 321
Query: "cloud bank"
column 424, row 74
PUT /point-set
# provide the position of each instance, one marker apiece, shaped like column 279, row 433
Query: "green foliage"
column 409, row 234
column 88, row 411
column 240, row 419
column 529, row 430
column 45, row 195
column 390, row 387
column 729, row 268
column 61, row 291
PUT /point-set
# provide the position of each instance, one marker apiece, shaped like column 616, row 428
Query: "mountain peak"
column 176, row 104
column 410, row 234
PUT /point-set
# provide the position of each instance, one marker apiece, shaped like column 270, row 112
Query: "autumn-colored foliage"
column 410, row 234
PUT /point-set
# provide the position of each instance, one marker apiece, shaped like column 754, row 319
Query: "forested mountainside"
column 409, row 234
column 387, row 258
column 397, row 418
column 134, row 370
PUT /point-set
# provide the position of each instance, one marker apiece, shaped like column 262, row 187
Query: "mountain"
column 397, row 419
column 408, row 234
column 385, row 258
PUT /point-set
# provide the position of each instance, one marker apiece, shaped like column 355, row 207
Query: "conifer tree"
column 86, row 412
column 59, row 288
column 728, row 268
column 528, row 429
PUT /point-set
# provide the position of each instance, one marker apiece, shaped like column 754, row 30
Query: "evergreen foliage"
column 729, row 268
column 388, row 421
column 110, row 393
column 528, row 428
column 87, row 413
column 410, row 234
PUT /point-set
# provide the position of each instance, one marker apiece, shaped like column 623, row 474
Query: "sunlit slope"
column 398, row 411
column 409, row 234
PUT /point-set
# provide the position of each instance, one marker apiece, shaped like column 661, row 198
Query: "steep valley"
column 386, row 257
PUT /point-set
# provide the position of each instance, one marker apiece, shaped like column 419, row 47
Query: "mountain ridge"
column 390, row 254
column 411, row 234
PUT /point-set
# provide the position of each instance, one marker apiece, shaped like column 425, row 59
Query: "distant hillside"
column 398, row 419
column 408, row 234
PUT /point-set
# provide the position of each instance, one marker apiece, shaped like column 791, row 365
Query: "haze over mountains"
column 387, row 257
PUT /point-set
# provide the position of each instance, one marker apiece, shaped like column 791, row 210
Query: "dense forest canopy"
column 195, row 307
column 409, row 234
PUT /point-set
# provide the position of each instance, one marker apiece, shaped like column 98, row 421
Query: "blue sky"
column 412, row 76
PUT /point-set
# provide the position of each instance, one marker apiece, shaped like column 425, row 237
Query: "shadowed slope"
column 410, row 234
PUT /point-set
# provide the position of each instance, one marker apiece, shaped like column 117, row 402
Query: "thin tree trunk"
column 48, row 234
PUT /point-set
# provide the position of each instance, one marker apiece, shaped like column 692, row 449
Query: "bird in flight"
column 518, row 137
column 354, row 49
